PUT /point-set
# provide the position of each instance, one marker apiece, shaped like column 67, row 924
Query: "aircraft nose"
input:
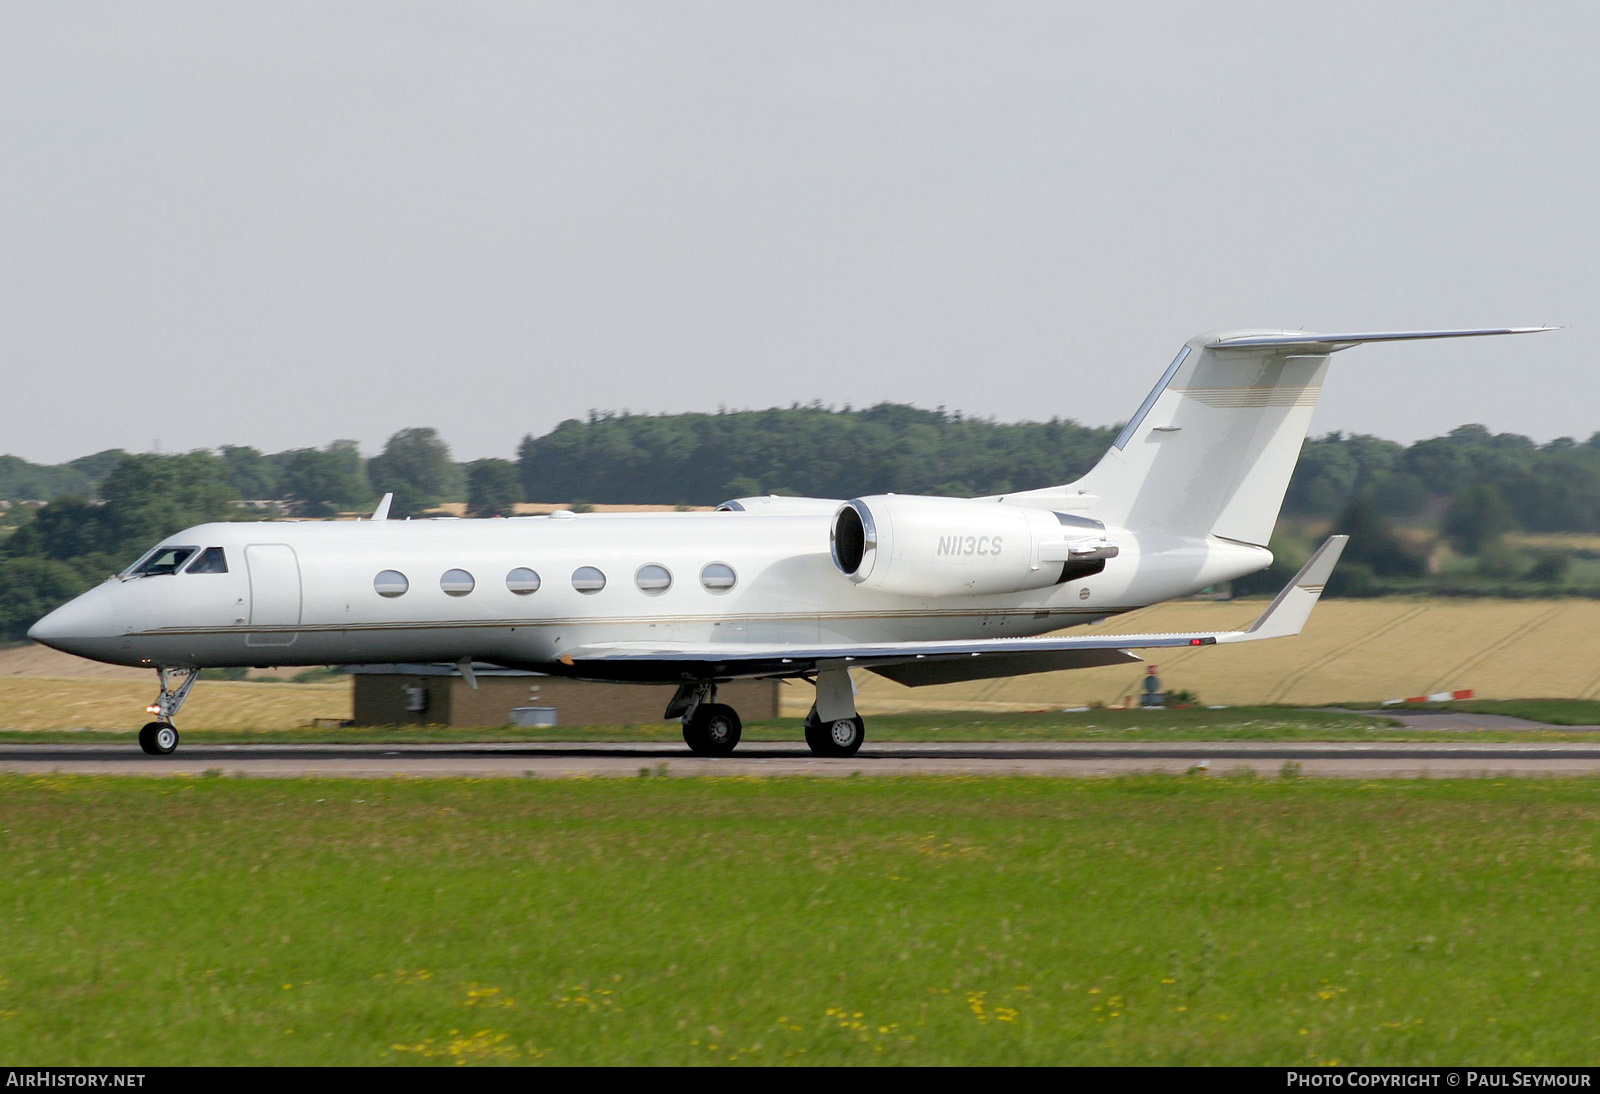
column 76, row 626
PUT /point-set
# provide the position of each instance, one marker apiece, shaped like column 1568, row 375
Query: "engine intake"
column 854, row 539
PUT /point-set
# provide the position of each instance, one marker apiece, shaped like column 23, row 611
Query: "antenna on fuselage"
column 382, row 511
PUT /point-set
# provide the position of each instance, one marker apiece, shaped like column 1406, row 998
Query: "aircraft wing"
column 918, row 663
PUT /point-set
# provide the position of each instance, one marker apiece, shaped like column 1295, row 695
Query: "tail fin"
column 1210, row 451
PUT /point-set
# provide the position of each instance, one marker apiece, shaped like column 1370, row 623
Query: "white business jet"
column 922, row 590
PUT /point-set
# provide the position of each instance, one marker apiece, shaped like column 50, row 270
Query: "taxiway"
column 757, row 758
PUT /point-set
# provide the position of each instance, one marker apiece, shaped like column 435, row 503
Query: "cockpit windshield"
column 163, row 560
column 211, row 561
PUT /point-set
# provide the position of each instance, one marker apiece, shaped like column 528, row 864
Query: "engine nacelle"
column 921, row 546
column 779, row 505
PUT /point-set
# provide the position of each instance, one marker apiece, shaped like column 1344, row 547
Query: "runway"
column 772, row 759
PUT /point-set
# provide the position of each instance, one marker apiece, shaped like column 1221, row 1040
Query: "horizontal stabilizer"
column 1212, row 448
column 1332, row 343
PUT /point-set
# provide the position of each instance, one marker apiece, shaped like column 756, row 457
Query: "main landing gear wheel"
column 840, row 737
column 159, row 738
column 712, row 730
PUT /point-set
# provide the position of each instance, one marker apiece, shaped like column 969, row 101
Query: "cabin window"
column 456, row 582
column 391, row 583
column 522, row 581
column 718, row 577
column 653, row 579
column 587, row 579
column 211, row 561
column 163, row 560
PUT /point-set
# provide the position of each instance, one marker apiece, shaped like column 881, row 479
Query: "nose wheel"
column 159, row 738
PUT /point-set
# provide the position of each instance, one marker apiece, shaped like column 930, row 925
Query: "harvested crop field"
column 1352, row 651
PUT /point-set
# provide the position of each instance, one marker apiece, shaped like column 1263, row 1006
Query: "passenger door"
column 274, row 593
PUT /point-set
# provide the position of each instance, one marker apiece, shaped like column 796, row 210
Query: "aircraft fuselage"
column 312, row 593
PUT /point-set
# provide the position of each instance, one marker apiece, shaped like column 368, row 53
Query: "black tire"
column 159, row 738
column 839, row 738
column 713, row 729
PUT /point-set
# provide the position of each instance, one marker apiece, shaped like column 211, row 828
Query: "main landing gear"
column 833, row 728
column 710, row 728
column 160, row 737
column 840, row 737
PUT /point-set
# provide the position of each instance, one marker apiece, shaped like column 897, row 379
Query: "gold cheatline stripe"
column 506, row 624
column 1249, row 397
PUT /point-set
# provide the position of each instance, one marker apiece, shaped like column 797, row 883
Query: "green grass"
column 1187, row 724
column 1174, row 920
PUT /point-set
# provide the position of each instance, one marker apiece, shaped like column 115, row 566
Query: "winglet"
column 1290, row 609
column 382, row 511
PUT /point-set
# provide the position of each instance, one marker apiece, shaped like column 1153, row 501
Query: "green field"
column 1177, row 920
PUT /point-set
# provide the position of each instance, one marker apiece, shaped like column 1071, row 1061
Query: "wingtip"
column 1287, row 613
column 1319, row 567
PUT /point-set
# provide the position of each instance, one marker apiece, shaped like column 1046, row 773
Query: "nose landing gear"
column 160, row 738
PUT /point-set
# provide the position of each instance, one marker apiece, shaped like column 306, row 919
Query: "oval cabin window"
column 522, row 581
column 718, row 577
column 653, row 579
column 391, row 583
column 456, row 582
column 587, row 579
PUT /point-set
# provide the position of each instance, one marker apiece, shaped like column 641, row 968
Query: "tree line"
column 1465, row 490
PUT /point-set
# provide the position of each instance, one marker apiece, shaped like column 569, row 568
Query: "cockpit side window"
column 163, row 560
column 211, row 561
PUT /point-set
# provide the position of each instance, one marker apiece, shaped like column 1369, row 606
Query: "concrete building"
column 389, row 695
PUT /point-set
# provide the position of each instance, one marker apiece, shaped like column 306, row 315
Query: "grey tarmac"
column 759, row 758
column 1459, row 721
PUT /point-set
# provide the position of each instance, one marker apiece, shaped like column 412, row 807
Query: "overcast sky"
column 277, row 224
